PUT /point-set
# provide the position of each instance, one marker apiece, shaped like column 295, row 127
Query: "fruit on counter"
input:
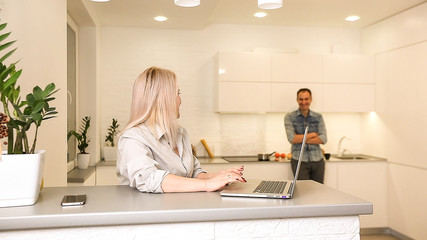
column 283, row 155
column 277, row 154
column 289, row 156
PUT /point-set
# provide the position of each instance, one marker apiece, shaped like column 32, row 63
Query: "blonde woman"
column 154, row 153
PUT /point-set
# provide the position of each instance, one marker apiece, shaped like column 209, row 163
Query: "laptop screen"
column 300, row 159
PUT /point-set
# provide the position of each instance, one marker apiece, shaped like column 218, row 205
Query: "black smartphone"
column 73, row 200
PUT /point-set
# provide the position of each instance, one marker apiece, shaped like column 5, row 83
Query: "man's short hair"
column 304, row 90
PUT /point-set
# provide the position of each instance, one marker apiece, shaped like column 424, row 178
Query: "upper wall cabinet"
column 243, row 97
column 348, row 98
column 296, row 68
column 261, row 82
column 348, row 69
column 284, row 96
column 244, row 67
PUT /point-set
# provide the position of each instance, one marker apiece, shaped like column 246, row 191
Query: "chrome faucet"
column 340, row 153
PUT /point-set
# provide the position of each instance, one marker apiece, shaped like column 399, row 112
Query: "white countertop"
column 119, row 205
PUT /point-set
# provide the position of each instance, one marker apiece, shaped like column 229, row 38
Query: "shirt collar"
column 159, row 132
column 300, row 113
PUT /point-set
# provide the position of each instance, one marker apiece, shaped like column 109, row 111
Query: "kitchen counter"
column 122, row 205
column 254, row 159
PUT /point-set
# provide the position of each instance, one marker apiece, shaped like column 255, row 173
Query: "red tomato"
column 277, row 155
column 283, row 155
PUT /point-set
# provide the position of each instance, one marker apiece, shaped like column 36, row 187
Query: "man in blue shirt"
column 313, row 164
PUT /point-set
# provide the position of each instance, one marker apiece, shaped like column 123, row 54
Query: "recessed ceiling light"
column 187, row 3
column 260, row 14
column 352, row 18
column 160, row 18
column 270, row 4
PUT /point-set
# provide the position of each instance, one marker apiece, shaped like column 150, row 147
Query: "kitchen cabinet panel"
column 348, row 69
column 243, row 97
column 368, row 181
column 331, row 174
column 348, row 98
column 260, row 82
column 293, row 68
column 244, row 67
column 284, row 96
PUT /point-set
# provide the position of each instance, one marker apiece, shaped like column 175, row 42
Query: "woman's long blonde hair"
column 154, row 102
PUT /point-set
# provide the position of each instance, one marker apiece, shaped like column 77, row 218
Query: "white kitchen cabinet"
column 364, row 179
column 348, row 98
column 348, row 69
column 243, row 97
column 260, row 82
column 331, row 174
column 284, row 96
column 106, row 175
column 368, row 181
column 296, row 68
column 244, row 67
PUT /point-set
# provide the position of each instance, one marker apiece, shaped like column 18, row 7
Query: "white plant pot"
column 83, row 160
column 20, row 178
column 110, row 153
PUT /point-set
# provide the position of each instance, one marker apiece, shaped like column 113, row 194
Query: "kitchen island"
column 125, row 213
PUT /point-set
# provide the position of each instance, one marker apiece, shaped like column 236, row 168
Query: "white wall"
column 126, row 52
column 400, row 45
column 40, row 28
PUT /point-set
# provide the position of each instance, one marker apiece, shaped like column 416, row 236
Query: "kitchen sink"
column 351, row 156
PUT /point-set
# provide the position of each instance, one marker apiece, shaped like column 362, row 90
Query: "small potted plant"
column 110, row 150
column 21, row 168
column 83, row 157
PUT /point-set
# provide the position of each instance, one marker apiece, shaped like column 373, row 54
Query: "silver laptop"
column 266, row 189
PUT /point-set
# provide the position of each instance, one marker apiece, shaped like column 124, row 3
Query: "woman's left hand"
column 236, row 170
column 218, row 181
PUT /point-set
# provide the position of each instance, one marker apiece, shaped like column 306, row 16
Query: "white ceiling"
column 307, row 13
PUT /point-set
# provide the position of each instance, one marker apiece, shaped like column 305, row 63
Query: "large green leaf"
column 4, row 36
column 47, row 118
column 36, row 116
column 39, row 106
column 7, row 55
column 7, row 71
column 38, row 92
column 6, row 45
column 13, row 78
column 51, row 111
column 2, row 26
column 30, row 99
column 49, row 99
column 49, row 88
column 28, row 110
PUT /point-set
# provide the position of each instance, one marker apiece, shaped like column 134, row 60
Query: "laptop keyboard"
column 270, row 187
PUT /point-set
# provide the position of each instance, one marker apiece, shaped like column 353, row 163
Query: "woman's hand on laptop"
column 217, row 181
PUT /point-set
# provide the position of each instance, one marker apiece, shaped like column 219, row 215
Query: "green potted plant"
column 110, row 150
column 21, row 185
column 83, row 157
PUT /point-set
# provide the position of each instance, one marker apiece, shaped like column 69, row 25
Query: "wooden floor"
column 378, row 237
